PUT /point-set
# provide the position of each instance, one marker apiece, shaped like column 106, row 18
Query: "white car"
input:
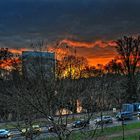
column 36, row 130
column 105, row 119
column 5, row 133
column 138, row 114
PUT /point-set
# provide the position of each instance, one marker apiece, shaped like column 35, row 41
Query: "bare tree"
column 128, row 49
column 114, row 67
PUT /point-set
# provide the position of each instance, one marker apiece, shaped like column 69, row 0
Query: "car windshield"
column 106, row 117
column 35, row 126
column 126, row 113
column 119, row 113
column 2, row 131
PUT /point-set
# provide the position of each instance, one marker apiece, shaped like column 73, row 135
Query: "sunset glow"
column 65, row 65
column 96, row 61
column 83, row 49
column 18, row 51
column 7, row 64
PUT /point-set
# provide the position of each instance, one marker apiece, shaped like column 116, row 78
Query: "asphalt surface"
column 16, row 135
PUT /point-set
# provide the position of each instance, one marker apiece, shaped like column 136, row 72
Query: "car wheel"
column 6, row 136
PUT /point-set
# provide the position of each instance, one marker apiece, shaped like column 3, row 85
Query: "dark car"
column 104, row 120
column 124, row 116
column 80, row 123
column 56, row 128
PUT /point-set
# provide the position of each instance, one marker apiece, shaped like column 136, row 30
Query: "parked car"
column 35, row 130
column 138, row 114
column 80, row 123
column 56, row 128
column 5, row 133
column 104, row 120
column 124, row 115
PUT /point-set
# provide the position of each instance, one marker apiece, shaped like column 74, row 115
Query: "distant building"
column 36, row 64
column 131, row 107
column 128, row 107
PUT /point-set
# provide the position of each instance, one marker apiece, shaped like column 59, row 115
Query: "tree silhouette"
column 128, row 49
column 114, row 67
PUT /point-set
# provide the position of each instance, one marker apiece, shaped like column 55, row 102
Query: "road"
column 45, row 133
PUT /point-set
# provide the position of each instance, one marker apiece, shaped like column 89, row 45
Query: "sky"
column 78, row 21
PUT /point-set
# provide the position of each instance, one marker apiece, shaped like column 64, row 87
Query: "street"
column 16, row 135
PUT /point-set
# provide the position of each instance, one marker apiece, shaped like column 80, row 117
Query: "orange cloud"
column 99, row 43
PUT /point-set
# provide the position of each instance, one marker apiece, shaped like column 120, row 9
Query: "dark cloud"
column 25, row 20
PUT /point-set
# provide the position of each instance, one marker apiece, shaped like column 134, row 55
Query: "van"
column 124, row 116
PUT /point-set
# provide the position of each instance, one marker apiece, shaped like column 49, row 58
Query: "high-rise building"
column 36, row 64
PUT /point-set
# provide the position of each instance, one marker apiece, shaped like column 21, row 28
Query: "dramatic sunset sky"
column 89, row 25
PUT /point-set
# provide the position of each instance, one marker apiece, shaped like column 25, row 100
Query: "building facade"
column 36, row 64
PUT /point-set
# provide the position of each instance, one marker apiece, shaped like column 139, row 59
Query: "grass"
column 128, row 137
column 107, row 131
column 7, row 126
column 117, row 129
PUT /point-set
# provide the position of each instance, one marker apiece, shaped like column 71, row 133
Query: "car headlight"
column 23, row 130
column 9, row 134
